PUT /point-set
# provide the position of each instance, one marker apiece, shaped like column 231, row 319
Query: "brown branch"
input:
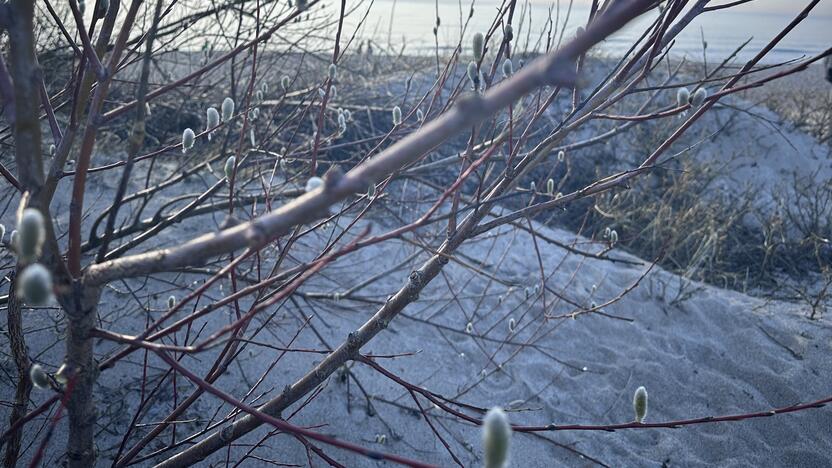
column 552, row 70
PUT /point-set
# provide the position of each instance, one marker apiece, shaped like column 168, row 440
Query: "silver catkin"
column 682, row 97
column 508, row 68
column 230, row 163
column 38, row 376
column 31, row 234
column 227, row 109
column 496, row 435
column 35, row 285
column 478, row 45
column 698, row 97
column 397, row 115
column 640, row 404
column 188, row 138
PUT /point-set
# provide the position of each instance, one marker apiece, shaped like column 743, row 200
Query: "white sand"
column 715, row 352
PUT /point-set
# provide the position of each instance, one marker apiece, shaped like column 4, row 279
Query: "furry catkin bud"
column 533, row 187
column 35, row 285
column 508, row 68
column 264, row 88
column 227, row 109
column 229, row 166
column 31, row 234
column 550, row 186
column 171, row 302
column 469, row 328
column 397, row 115
column 313, row 183
column 82, row 6
column 52, row 150
column 62, row 375
column 640, row 404
column 512, row 325
column 38, row 376
column 333, row 92
column 420, row 116
column 213, row 119
column 478, row 44
column 496, row 437
column 252, row 138
column 561, row 156
column 613, row 237
column 607, row 232
column 2, row 232
column 147, row 112
column 259, row 96
column 301, row 4
column 333, row 71
column 285, row 82
column 188, row 138
column 508, row 33
column 473, row 72
column 103, row 6
column 13, row 239
column 682, row 97
column 698, row 97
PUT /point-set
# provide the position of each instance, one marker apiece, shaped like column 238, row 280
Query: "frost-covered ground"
column 699, row 350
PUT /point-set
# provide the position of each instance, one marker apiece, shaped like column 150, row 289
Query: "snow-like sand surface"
column 699, row 351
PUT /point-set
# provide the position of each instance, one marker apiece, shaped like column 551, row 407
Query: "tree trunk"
column 20, row 354
column 81, row 311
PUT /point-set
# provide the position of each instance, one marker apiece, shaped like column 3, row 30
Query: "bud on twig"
column 496, row 435
column 227, row 109
column 35, row 285
column 397, row 115
column 640, row 404
column 38, row 376
column 478, row 44
column 229, row 166
column 188, row 138
column 31, row 234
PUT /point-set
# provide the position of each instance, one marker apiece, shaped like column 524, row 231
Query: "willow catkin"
column 640, row 404
column 38, row 376
column 508, row 68
column 682, row 97
column 35, row 285
column 31, row 234
column 496, row 435
column 103, row 6
column 313, row 183
column 227, row 109
column 230, row 163
column 212, row 120
column 698, row 97
column 397, row 115
column 188, row 138
column 478, row 46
